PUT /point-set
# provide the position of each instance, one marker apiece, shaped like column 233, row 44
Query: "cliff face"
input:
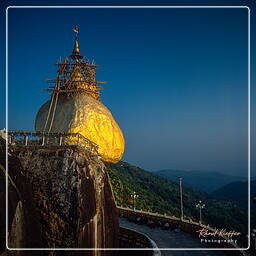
column 69, row 195
column 23, row 221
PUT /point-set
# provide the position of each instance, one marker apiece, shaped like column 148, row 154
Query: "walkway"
column 170, row 239
column 43, row 139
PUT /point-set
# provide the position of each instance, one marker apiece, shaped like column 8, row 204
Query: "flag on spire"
column 75, row 29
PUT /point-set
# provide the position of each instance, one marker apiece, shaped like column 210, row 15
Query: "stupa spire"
column 76, row 51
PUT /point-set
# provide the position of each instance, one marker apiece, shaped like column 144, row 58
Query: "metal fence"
column 23, row 138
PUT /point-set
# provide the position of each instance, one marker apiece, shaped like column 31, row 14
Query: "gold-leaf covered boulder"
column 89, row 117
column 75, row 107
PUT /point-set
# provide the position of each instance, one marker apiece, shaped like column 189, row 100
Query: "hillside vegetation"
column 157, row 194
column 236, row 192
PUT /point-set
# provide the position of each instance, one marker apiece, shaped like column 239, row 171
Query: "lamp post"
column 181, row 199
column 134, row 196
column 201, row 206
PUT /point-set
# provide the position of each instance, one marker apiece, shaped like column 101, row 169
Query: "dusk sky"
column 177, row 78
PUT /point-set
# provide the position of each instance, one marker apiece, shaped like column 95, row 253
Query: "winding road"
column 170, row 239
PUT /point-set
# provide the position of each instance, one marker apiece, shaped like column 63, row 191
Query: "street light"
column 181, row 199
column 201, row 206
column 134, row 196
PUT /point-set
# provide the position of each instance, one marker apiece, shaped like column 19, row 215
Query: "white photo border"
column 249, row 135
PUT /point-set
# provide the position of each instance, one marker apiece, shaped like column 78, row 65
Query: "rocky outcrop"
column 2, row 196
column 23, row 219
column 65, row 194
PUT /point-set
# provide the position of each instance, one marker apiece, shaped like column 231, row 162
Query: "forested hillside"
column 157, row 194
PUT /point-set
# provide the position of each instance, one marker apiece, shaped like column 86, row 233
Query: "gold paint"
column 79, row 110
column 76, row 50
column 89, row 117
column 77, row 81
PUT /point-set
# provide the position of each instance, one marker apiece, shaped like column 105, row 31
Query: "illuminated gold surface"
column 89, row 117
column 77, row 81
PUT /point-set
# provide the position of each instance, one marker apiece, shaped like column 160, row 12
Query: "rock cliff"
column 60, row 197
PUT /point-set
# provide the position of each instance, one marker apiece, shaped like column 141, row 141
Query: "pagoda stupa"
column 75, row 107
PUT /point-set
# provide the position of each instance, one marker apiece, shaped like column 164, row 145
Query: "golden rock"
column 75, row 107
column 89, row 117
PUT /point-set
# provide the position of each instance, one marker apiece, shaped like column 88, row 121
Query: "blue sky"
column 177, row 78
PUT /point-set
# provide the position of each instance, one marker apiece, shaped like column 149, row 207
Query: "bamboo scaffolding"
column 76, row 75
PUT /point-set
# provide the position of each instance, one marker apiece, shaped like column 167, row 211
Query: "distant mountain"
column 236, row 192
column 157, row 194
column 200, row 180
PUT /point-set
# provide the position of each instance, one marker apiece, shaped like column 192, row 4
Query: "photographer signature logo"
column 217, row 236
